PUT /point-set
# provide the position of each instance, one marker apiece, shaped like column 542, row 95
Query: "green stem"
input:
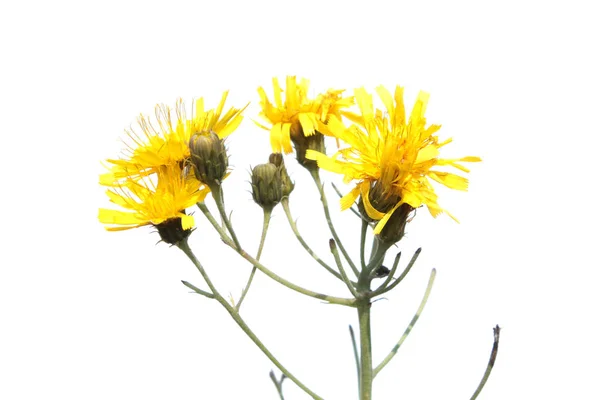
column 263, row 236
column 356, row 356
column 363, row 238
column 410, row 326
column 268, row 272
column 286, row 207
column 336, row 256
column 183, row 245
column 197, row 290
column 491, row 362
column 366, row 360
column 383, row 289
column 217, row 192
column 317, row 180
column 392, row 272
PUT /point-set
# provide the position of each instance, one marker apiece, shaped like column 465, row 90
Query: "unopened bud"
column 316, row 142
column 209, row 158
column 266, row 185
column 286, row 183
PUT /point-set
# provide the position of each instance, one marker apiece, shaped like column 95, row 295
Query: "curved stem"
column 263, row 236
column 491, row 362
column 392, row 272
column 268, row 272
column 183, row 245
column 410, row 326
column 336, row 255
column 363, row 237
column 356, row 356
column 286, row 207
column 217, row 193
column 317, row 179
column 383, row 289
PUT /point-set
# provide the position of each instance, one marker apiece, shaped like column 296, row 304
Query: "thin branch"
column 336, row 255
column 382, row 290
column 286, row 207
column 491, row 362
column 317, row 180
column 410, row 326
column 268, row 272
column 184, row 246
column 356, row 357
column 197, row 290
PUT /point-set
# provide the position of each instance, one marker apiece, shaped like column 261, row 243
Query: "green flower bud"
column 286, row 183
column 209, row 158
column 266, row 185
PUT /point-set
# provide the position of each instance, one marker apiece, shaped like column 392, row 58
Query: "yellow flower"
column 151, row 202
column 165, row 141
column 391, row 158
column 298, row 111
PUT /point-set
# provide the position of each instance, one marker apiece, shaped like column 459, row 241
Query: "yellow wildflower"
column 391, row 158
column 154, row 203
column 298, row 112
column 165, row 142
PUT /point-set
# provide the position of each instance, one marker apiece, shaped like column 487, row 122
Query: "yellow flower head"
column 165, row 141
column 391, row 158
column 154, row 202
column 297, row 110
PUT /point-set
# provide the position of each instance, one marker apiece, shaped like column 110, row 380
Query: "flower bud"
column 302, row 143
column 266, row 185
column 171, row 231
column 393, row 230
column 286, row 183
column 209, row 158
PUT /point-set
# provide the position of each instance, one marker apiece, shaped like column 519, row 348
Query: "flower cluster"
column 392, row 156
column 159, row 175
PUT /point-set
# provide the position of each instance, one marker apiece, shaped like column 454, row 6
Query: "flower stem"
column 263, row 236
column 217, row 192
column 317, row 180
column 183, row 245
column 286, row 207
column 366, row 360
column 356, row 356
column 410, row 326
column 491, row 362
column 268, row 272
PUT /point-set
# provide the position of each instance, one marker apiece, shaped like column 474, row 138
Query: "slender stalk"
column 268, row 272
column 263, row 236
column 356, row 356
column 217, row 193
column 392, row 272
column 183, row 245
column 286, row 207
column 382, row 289
column 410, row 326
column 336, row 255
column 317, row 180
column 278, row 384
column 197, row 290
column 491, row 362
column 363, row 238
column 366, row 359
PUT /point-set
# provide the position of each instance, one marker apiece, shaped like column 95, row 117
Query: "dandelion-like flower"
column 298, row 118
column 159, row 200
column 392, row 159
column 165, row 141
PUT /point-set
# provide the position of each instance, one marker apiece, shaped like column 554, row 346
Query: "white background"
column 88, row 314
